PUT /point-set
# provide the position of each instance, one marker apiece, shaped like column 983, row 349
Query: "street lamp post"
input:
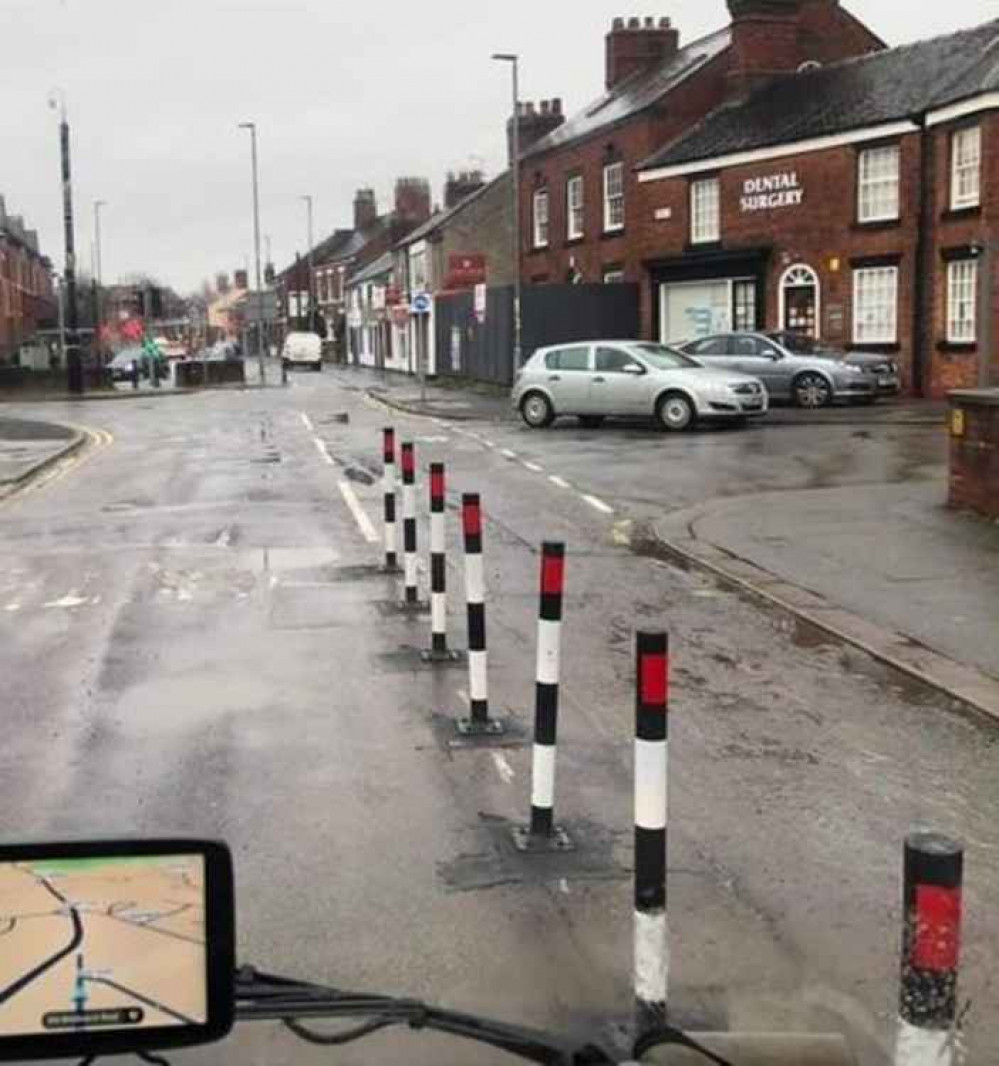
column 252, row 127
column 312, row 283
column 74, row 365
column 98, row 317
column 514, row 61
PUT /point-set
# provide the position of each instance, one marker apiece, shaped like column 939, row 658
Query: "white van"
column 303, row 349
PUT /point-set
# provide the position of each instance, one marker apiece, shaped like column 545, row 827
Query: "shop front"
column 698, row 294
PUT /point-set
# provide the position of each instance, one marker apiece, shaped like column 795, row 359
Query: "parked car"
column 593, row 380
column 794, row 368
column 303, row 349
column 886, row 369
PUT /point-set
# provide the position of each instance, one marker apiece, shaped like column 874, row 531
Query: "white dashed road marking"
column 599, row 505
column 307, row 422
column 507, row 454
column 503, row 768
column 323, row 451
column 534, row 468
column 364, row 523
column 561, row 482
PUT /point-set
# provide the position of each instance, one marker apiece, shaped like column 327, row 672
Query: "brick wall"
column 822, row 232
column 484, row 227
column 956, row 366
column 974, row 460
column 631, row 142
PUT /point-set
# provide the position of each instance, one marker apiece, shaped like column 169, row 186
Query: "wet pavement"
column 27, row 444
column 196, row 640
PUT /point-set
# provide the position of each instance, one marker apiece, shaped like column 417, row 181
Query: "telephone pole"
column 259, row 332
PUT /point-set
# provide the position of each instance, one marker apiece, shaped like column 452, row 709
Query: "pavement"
column 883, row 563
column 28, row 447
column 197, row 639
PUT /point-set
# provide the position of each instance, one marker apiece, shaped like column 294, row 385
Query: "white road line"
column 534, row 468
column 563, row 886
column 561, row 482
column 503, row 768
column 323, row 450
column 364, row 523
column 507, row 454
column 488, row 443
column 598, row 504
column 307, row 422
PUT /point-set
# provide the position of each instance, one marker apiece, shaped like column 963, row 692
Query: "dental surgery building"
column 857, row 201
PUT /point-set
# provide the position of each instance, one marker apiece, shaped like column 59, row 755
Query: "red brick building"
column 27, row 300
column 857, row 202
column 579, row 186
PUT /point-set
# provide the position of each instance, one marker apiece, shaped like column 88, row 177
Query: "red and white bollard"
column 651, row 780
column 388, row 490
column 412, row 595
column 439, row 652
column 478, row 723
column 542, row 834
column 931, row 951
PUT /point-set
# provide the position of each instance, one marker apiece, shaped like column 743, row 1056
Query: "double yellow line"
column 94, row 441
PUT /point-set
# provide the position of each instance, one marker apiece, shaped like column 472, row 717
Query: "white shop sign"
column 773, row 191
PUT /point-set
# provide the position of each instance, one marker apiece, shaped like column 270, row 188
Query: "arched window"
column 800, row 300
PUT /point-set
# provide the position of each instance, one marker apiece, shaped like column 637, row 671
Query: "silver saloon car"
column 807, row 377
column 631, row 379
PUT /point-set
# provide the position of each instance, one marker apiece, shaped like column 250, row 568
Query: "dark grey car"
column 798, row 370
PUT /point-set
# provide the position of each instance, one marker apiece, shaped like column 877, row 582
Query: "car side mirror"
column 634, row 369
column 775, row 356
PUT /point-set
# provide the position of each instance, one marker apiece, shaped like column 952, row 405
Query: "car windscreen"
column 663, row 358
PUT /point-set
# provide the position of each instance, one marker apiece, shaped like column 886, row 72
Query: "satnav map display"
column 102, row 943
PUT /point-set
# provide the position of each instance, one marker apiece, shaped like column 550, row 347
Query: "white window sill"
column 967, row 205
column 875, row 219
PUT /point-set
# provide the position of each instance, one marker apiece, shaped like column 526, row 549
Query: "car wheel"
column 536, row 410
column 675, row 412
column 811, row 391
column 591, row 421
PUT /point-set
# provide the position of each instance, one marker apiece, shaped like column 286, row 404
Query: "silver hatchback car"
column 798, row 369
column 593, row 380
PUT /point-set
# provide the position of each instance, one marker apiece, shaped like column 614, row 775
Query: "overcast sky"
column 344, row 95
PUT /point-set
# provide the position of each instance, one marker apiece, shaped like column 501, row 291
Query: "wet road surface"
column 194, row 643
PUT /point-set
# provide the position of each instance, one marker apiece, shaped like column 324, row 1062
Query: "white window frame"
column 705, row 211
column 888, row 333
column 966, row 163
column 614, row 197
column 614, row 276
column 879, row 181
column 575, row 222
column 962, row 294
column 541, row 227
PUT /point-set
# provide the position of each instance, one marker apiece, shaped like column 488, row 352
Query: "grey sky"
column 344, row 95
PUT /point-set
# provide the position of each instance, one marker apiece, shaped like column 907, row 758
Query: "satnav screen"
column 115, row 943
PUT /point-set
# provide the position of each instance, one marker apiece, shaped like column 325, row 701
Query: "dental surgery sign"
column 772, row 191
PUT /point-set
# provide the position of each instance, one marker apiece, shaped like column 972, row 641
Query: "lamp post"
column 98, row 316
column 74, row 366
column 259, row 333
column 514, row 61
column 312, row 304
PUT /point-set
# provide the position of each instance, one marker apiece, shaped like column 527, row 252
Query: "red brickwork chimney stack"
column 636, row 45
column 535, row 122
column 365, row 210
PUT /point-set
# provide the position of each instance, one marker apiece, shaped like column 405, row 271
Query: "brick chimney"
column 534, row 122
column 765, row 41
column 637, row 45
column 412, row 200
column 461, row 185
column 365, row 209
